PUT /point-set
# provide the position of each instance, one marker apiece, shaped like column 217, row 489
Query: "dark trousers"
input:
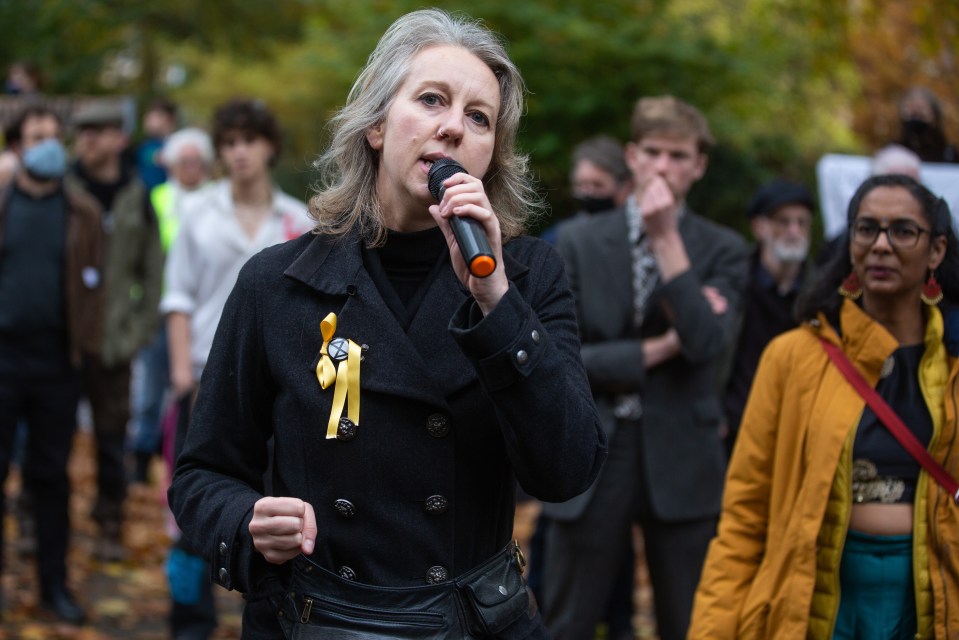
column 48, row 405
column 619, row 610
column 149, row 394
column 108, row 390
column 584, row 556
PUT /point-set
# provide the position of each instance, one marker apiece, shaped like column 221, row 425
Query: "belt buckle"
column 520, row 557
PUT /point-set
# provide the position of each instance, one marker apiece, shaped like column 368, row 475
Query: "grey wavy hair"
column 346, row 196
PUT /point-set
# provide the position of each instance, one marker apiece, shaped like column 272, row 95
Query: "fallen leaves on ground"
column 127, row 599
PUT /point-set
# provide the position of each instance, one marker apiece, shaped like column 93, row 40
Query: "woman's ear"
column 937, row 252
column 374, row 136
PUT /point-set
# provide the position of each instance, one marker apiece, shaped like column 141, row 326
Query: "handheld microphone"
column 468, row 232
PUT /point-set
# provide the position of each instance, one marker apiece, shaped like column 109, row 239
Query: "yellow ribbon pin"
column 346, row 376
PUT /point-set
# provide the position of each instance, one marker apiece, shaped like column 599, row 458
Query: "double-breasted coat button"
column 438, row 425
column 223, row 548
column 535, row 336
column 224, row 576
column 435, row 505
column 436, row 575
column 522, row 357
column 346, row 431
column 347, row 574
column 345, row 508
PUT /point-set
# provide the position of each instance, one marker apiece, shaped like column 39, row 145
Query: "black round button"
column 347, row 574
column 438, row 425
column 345, row 508
column 436, row 575
column 224, row 576
column 339, row 348
column 346, row 431
column 223, row 548
column 436, row 505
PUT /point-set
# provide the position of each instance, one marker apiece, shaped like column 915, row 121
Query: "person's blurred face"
column 97, row 145
column 785, row 232
column 916, row 107
column 245, row 155
column 893, row 270
column 36, row 129
column 676, row 159
column 158, row 124
column 447, row 107
column 590, row 180
column 189, row 170
column 21, row 80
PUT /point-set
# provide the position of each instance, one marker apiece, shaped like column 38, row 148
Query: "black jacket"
column 83, row 292
column 459, row 407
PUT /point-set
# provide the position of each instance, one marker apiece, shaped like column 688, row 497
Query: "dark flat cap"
column 98, row 114
column 777, row 193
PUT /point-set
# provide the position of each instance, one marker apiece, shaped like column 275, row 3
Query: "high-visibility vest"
column 162, row 197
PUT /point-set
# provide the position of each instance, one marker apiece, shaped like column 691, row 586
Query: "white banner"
column 840, row 175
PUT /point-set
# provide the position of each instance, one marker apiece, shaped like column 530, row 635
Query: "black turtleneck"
column 404, row 267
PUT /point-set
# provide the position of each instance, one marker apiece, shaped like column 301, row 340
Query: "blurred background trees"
column 781, row 81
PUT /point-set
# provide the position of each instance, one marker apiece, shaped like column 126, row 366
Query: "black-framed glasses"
column 902, row 234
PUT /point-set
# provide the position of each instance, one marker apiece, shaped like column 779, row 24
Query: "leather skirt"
column 489, row 601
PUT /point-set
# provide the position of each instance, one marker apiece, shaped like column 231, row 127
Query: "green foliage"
column 774, row 77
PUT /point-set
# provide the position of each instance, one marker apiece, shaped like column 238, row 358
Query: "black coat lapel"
column 422, row 364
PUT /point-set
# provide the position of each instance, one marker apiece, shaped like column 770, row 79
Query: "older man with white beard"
column 780, row 216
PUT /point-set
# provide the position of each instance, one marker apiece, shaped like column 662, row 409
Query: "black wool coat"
column 452, row 412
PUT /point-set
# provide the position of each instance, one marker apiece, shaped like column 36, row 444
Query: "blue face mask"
column 46, row 160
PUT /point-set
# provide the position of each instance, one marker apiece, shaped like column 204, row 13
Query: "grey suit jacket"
column 680, row 439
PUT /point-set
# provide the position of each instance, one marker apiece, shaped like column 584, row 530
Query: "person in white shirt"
column 221, row 227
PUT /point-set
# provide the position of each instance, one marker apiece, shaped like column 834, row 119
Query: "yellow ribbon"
column 325, row 372
column 346, row 376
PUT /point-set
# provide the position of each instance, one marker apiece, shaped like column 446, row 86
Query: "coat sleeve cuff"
column 235, row 563
column 506, row 345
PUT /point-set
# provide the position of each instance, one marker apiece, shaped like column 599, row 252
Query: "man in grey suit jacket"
column 656, row 289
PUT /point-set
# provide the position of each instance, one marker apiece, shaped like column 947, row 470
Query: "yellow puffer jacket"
column 773, row 569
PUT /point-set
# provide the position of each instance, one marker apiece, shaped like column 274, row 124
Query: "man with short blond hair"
column 656, row 289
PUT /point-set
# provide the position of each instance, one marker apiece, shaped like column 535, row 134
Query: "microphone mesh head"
column 439, row 172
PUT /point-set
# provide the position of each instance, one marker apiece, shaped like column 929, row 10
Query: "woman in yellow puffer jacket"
column 829, row 528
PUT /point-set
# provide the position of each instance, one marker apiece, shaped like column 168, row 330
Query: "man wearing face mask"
column 600, row 179
column 50, row 307
column 920, row 117
column 780, row 217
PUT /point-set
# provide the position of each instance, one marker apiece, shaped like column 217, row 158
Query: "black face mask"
column 592, row 204
column 925, row 139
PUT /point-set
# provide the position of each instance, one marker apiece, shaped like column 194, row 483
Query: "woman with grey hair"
column 369, row 403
